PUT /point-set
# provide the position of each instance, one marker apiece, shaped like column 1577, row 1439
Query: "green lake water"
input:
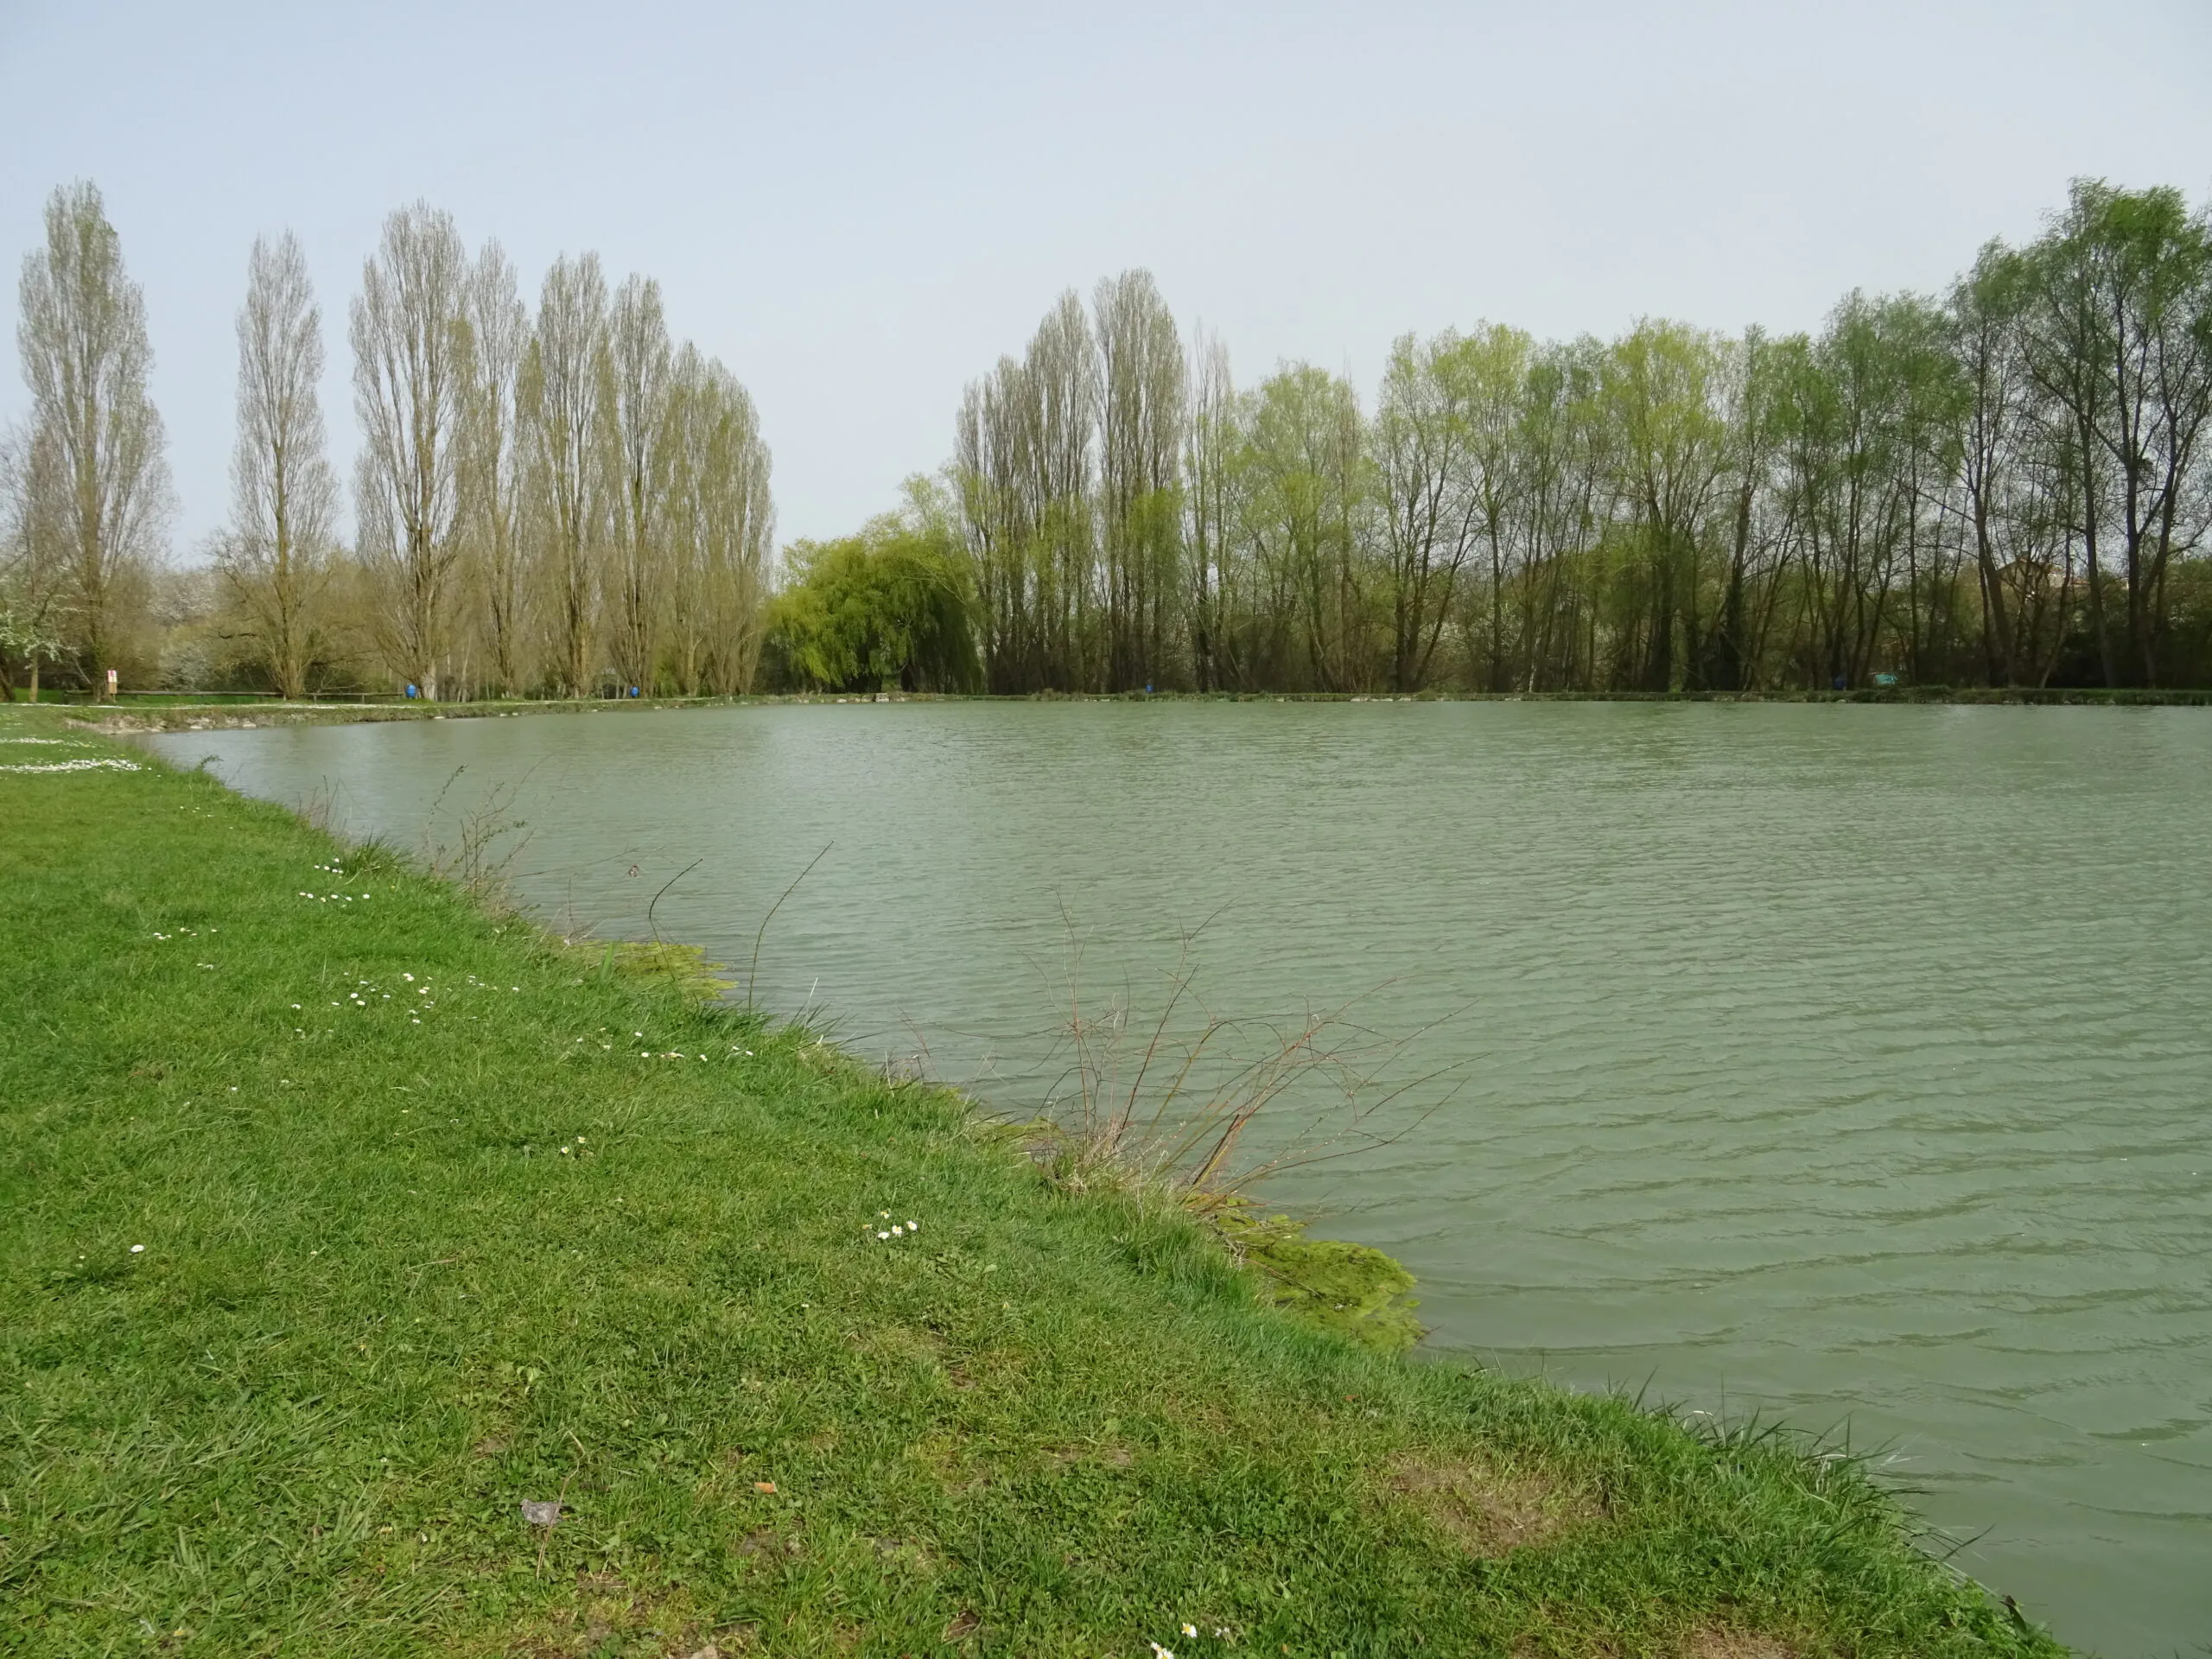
column 1848, row 1063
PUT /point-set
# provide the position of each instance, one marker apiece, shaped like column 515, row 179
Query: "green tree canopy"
column 888, row 607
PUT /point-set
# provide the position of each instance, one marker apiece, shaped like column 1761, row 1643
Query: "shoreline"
column 566, row 1232
column 240, row 714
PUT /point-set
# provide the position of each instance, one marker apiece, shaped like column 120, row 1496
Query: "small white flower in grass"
column 137, row 1250
column 410, row 978
column 883, row 1236
column 1190, row 1630
column 914, row 1226
column 1158, row 1652
column 898, row 1232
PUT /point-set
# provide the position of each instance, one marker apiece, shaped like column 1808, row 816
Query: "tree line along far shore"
column 2003, row 485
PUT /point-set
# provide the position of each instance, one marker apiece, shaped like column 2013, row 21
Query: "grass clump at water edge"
column 1155, row 1108
column 340, row 1219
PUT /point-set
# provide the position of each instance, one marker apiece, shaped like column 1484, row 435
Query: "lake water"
column 1851, row 1063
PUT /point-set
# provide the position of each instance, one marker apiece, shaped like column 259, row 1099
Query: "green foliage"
column 885, row 609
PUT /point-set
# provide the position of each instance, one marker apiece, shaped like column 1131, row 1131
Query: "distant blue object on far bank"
column 412, row 691
column 1886, row 679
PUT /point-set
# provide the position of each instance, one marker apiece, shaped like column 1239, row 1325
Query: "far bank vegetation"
column 2006, row 484
column 549, row 500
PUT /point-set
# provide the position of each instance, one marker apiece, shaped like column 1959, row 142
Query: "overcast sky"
column 859, row 207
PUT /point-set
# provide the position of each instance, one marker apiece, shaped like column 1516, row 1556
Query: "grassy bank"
column 340, row 1219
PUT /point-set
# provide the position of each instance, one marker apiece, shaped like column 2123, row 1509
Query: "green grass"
column 406, row 1267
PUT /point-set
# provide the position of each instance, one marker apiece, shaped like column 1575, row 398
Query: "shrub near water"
column 340, row 1220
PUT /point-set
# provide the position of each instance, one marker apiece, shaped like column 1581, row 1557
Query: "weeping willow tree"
column 888, row 608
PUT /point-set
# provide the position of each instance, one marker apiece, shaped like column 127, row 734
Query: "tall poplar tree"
column 95, row 478
column 410, row 332
column 275, row 556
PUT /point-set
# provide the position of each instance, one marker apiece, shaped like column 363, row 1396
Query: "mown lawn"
column 339, row 1218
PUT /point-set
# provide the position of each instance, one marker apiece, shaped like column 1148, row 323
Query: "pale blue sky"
column 860, row 207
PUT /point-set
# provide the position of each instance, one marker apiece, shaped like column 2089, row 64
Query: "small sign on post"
column 111, row 685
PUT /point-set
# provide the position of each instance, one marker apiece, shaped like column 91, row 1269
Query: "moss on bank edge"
column 340, row 1219
column 1347, row 1289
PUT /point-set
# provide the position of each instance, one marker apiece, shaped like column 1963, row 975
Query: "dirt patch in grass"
column 1106, row 1454
column 609, row 1616
column 1489, row 1510
column 905, row 1346
column 907, row 1553
column 1734, row 1645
